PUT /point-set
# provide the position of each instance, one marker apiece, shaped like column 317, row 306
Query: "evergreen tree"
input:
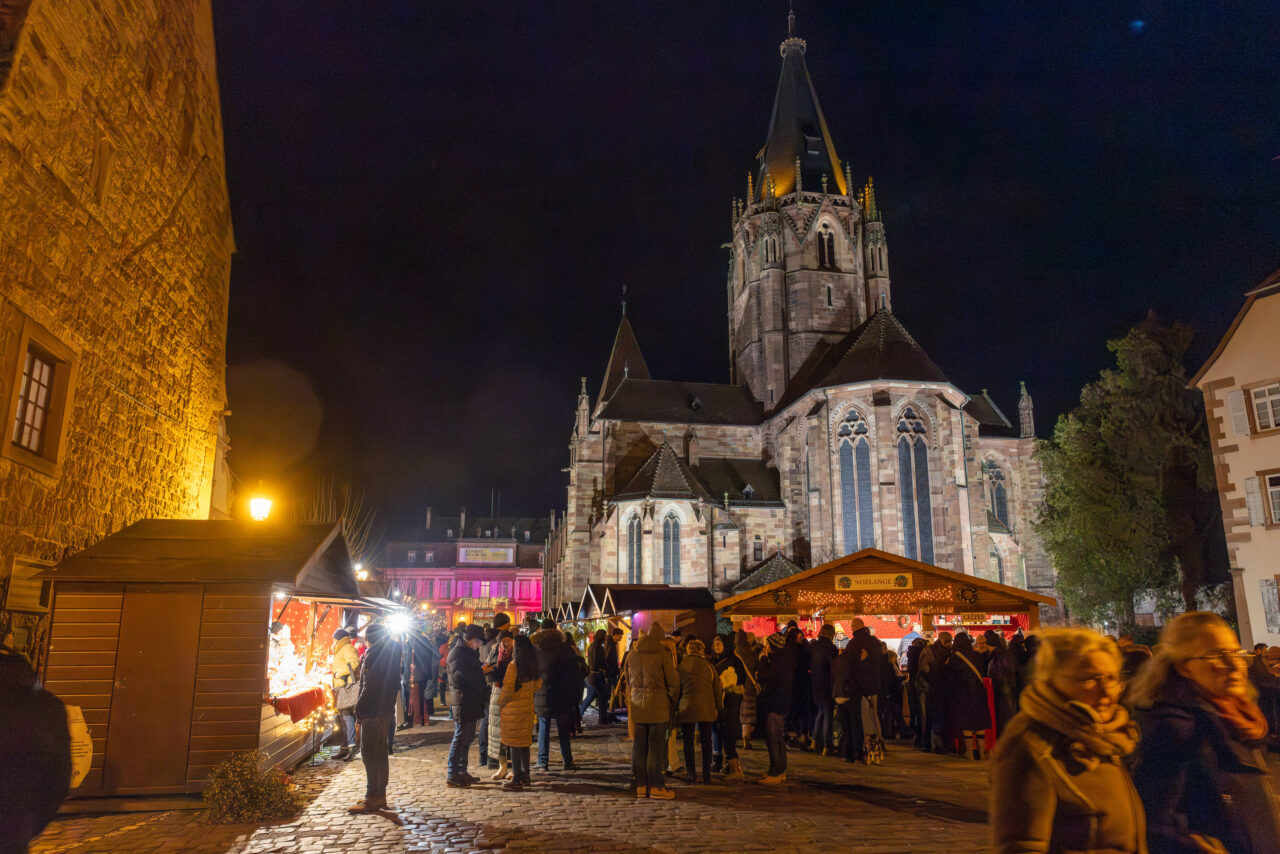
column 1130, row 503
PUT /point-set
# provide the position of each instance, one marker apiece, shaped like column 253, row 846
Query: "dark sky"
column 436, row 205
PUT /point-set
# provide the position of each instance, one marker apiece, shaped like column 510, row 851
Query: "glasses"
column 1093, row 683
column 1228, row 659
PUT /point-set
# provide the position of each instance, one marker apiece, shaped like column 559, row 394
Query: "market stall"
column 636, row 607
column 888, row 592
column 188, row 641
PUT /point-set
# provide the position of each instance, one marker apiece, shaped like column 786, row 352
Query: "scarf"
column 1242, row 715
column 1092, row 740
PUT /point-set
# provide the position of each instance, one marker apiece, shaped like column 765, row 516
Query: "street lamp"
column 259, row 508
column 362, row 574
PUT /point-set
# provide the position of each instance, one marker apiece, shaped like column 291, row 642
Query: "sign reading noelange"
column 486, row 554
column 875, row 581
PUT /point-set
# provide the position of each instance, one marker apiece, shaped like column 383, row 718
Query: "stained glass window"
column 913, row 483
column 671, row 549
column 855, row 482
column 633, row 550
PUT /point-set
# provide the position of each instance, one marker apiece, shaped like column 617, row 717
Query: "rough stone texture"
column 115, row 236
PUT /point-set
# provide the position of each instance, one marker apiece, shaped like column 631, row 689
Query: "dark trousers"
column 725, row 734
column 849, row 716
column 566, row 722
column 704, row 741
column 519, row 758
column 649, row 755
column 373, row 750
column 484, row 738
column 822, row 723
column 464, row 732
column 775, row 738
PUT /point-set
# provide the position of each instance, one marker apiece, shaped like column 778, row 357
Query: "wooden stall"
column 875, row 584
column 635, row 607
column 162, row 634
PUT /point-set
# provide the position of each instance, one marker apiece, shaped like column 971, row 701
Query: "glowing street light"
column 259, row 508
column 362, row 574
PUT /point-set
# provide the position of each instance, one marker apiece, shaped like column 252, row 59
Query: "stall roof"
column 609, row 600
column 304, row 559
column 881, row 583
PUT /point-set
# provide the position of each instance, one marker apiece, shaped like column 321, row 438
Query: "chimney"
column 428, row 518
column 462, row 523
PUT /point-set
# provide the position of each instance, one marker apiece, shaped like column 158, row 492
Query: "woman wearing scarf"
column 1200, row 768
column 751, row 659
column 1058, row 782
column 734, row 679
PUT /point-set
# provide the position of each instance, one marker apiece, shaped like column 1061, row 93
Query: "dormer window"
column 413, row 557
column 748, row 492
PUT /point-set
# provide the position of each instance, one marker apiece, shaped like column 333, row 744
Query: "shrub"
column 241, row 791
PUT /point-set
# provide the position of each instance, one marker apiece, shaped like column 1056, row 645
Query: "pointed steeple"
column 625, row 361
column 797, row 128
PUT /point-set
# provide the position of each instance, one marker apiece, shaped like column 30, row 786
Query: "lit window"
column 38, row 405
column 484, row 590
column 445, row 585
column 1273, row 492
column 1266, row 406
column 428, row 589
column 428, row 557
column 413, row 557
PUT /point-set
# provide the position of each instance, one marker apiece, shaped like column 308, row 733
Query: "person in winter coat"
column 777, row 676
column 866, row 668
column 466, row 697
column 345, row 667
column 562, row 673
column 505, row 650
column 35, row 772
column 733, row 676
column 488, row 662
column 612, row 669
column 913, row 689
column 746, row 652
column 965, row 697
column 597, row 678
column 375, row 711
column 653, row 688
column 822, row 654
column 800, row 718
column 520, row 679
column 1058, row 778
column 422, row 675
column 701, row 701
column 1200, row 768
column 1002, row 670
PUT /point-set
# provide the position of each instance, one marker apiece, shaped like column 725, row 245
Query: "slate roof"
column 797, row 128
column 664, row 475
column 660, row 401
column 991, row 420
column 774, row 568
column 647, row 597
column 720, row 475
column 625, row 360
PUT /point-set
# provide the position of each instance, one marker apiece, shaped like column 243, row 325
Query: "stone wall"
column 115, row 239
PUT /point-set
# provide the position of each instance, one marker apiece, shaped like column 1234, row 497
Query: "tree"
column 339, row 503
column 1130, row 504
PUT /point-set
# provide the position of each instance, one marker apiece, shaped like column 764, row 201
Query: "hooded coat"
column 653, row 684
column 562, row 673
column 777, row 678
column 701, row 696
column 466, row 682
column 822, row 654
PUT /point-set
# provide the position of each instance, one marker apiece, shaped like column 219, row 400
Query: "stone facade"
column 837, row 432
column 115, row 252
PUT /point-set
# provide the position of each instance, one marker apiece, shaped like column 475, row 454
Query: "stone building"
column 1241, row 387
column 836, row 431
column 115, row 251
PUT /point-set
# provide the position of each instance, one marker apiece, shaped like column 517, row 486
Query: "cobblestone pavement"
column 915, row 802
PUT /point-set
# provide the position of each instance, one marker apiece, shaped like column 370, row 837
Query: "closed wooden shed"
column 160, row 633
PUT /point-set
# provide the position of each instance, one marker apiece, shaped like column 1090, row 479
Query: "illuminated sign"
column 486, row 554
column 875, row 581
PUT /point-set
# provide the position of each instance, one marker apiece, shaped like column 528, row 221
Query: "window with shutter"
column 1253, row 500
column 1239, row 415
column 1266, row 407
column 1270, row 604
column 1273, row 496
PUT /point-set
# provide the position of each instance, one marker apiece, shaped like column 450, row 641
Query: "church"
column 836, row 432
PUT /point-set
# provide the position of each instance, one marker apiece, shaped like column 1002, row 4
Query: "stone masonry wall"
column 115, row 236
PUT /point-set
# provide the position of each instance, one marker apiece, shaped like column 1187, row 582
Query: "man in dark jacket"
column 866, row 667
column 467, row 701
column 562, row 673
column 844, row 695
column 422, row 672
column 489, row 664
column 376, row 712
column 776, row 675
column 822, row 654
column 597, row 679
column 612, row 668
column 35, row 771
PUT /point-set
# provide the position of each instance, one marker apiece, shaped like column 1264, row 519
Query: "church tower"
column 808, row 262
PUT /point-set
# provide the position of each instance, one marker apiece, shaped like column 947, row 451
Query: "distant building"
column 836, row 431
column 467, row 568
column 1241, row 387
column 115, row 255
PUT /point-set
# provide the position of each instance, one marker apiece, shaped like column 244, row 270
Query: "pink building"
column 468, row 569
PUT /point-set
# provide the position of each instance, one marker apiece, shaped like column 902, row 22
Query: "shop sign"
column 486, row 554
column 875, row 581
column 473, row 603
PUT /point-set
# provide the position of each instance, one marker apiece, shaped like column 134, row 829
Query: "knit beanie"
column 500, row 619
column 777, row 640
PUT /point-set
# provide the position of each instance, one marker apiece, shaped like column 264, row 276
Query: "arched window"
column 997, row 495
column 913, row 485
column 998, row 565
column 830, row 302
column 633, row 550
column 855, row 481
column 671, row 549
column 826, row 248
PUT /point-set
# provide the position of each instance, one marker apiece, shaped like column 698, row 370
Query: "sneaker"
column 662, row 794
column 457, row 783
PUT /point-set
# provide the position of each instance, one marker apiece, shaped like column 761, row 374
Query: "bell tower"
column 800, row 276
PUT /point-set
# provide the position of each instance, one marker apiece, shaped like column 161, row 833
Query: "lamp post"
column 259, row 508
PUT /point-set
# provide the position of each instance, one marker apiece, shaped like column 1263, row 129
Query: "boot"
column 717, row 763
column 342, row 754
column 733, row 772
column 502, row 770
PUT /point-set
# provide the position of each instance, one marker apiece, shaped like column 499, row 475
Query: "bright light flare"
column 259, row 508
column 398, row 622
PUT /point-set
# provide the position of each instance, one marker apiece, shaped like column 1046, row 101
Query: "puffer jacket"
column 653, row 685
column 1044, row 800
column 562, row 673
column 346, row 663
column 516, row 705
column 466, row 681
column 701, row 697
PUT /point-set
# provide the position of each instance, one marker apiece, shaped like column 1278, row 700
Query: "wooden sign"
column 875, row 581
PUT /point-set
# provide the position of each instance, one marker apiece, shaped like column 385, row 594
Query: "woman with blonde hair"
column 1200, row 769
column 1058, row 782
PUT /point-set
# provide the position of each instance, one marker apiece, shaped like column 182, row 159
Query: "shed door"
column 154, row 689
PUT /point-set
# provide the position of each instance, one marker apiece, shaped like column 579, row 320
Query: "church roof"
column 746, row 481
column 664, row 475
column 774, row 568
column 991, row 421
column 643, row 399
column 625, row 360
column 797, row 128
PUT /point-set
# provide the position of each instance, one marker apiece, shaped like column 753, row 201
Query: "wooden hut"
column 638, row 606
column 161, row 634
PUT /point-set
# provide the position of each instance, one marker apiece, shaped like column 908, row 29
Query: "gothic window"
column 998, row 565
column 757, row 550
column 826, row 248
column 855, row 481
column 633, row 550
column 671, row 549
column 997, row 494
column 913, row 486
column 829, row 300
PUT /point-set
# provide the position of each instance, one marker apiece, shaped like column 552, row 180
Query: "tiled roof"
column 721, row 475
column 664, row 475
column 991, row 421
column 774, row 568
column 682, row 403
column 625, row 360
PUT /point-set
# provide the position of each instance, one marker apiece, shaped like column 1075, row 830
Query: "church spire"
column 797, row 127
column 625, row 361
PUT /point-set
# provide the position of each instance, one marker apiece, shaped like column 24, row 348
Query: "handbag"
column 346, row 695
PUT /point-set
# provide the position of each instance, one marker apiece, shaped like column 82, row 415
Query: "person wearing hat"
column 776, row 675
column 345, row 666
column 466, row 700
column 375, row 711
column 653, row 689
column 489, row 665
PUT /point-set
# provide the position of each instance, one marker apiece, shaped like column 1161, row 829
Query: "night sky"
column 436, row 205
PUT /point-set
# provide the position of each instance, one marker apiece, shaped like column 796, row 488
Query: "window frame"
column 1270, row 497
column 1251, row 409
column 64, row 361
